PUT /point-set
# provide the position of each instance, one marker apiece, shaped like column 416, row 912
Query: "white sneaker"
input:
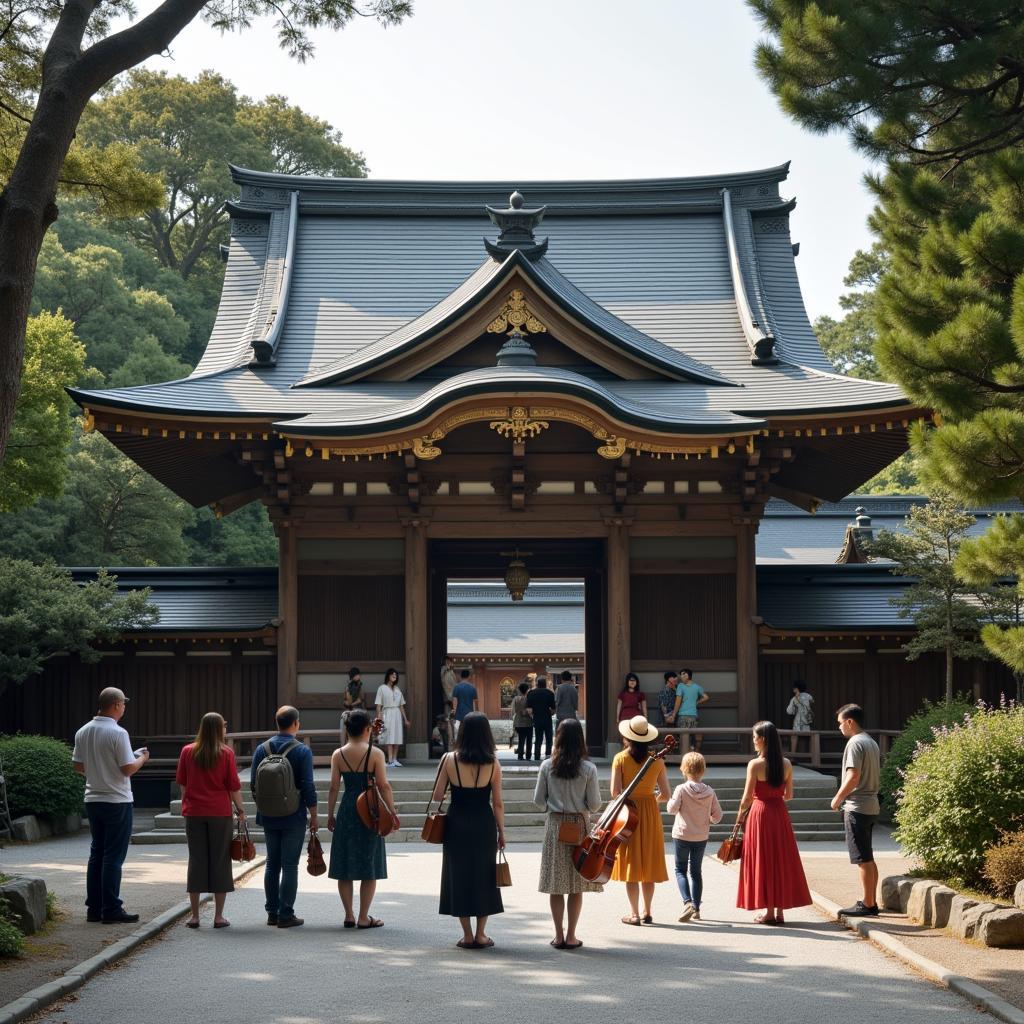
column 689, row 910
column 695, row 916
column 396, row 764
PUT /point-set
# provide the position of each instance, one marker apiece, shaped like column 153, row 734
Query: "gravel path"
column 723, row 969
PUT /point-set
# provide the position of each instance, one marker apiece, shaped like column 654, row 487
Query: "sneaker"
column 290, row 922
column 272, row 920
column 396, row 764
column 859, row 909
column 688, row 911
column 695, row 916
column 121, row 917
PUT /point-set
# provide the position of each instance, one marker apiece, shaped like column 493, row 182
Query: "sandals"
column 765, row 919
column 647, row 919
column 373, row 922
column 483, row 945
column 463, row 944
column 221, row 924
column 572, row 945
column 631, row 920
column 555, row 944
column 350, row 924
column 191, row 924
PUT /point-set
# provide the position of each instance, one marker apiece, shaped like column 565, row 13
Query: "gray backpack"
column 273, row 787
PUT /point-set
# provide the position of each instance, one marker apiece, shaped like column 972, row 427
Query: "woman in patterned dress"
column 567, row 789
column 390, row 702
column 357, row 854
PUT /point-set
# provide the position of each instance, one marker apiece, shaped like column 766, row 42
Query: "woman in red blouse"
column 209, row 786
column 632, row 700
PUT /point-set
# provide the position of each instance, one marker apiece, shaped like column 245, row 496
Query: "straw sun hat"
column 639, row 730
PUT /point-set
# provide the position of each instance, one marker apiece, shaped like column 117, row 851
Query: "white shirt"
column 102, row 746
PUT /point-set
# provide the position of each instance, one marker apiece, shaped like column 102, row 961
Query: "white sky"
column 478, row 89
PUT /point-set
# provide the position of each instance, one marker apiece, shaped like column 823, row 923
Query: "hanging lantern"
column 517, row 578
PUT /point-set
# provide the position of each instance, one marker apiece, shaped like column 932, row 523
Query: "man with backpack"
column 282, row 787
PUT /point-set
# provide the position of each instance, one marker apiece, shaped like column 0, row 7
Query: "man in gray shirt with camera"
column 858, row 798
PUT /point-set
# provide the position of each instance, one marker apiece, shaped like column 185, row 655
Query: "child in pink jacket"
column 696, row 808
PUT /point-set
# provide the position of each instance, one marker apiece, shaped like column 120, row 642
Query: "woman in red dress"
column 632, row 700
column 771, row 875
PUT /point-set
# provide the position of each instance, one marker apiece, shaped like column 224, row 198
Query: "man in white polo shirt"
column 103, row 754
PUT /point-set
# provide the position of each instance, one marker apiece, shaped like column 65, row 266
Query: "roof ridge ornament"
column 513, row 316
column 516, row 223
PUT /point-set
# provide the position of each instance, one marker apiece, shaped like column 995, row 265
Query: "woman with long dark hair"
column 357, row 854
column 209, row 784
column 640, row 863
column 632, row 700
column 474, row 830
column 390, row 702
column 771, row 875
column 567, row 789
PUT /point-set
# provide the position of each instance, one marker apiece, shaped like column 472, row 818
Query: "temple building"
column 427, row 383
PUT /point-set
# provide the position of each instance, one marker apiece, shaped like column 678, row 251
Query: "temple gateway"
column 428, row 382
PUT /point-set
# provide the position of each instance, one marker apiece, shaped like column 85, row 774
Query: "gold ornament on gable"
column 514, row 316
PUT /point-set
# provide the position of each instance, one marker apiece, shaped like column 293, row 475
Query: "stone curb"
column 44, row 995
column 970, row 990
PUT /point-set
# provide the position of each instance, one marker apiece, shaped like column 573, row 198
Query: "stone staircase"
column 812, row 818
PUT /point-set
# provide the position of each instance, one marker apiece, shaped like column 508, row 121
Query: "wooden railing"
column 815, row 756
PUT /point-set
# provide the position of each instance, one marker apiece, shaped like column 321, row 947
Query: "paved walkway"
column 724, row 968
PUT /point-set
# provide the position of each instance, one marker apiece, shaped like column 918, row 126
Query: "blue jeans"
column 689, row 862
column 111, row 828
column 281, row 875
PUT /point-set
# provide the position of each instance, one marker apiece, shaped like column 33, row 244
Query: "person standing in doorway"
column 351, row 699
column 689, row 697
column 632, row 700
column 465, row 699
column 801, row 707
column 667, row 697
column 540, row 704
column 103, row 754
column 281, row 780
column 390, row 704
column 522, row 722
column 449, row 680
column 567, row 699
column 858, row 798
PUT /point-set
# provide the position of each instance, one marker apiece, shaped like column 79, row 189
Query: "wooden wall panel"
column 356, row 617
column 678, row 617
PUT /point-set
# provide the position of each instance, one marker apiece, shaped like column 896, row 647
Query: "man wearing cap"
column 103, row 754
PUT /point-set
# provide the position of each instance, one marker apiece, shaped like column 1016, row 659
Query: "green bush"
column 11, row 940
column 1004, row 864
column 918, row 730
column 40, row 779
column 961, row 792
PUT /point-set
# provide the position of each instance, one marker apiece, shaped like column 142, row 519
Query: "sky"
column 477, row 89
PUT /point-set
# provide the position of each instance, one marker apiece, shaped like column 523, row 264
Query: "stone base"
column 1003, row 929
column 417, row 752
column 26, row 902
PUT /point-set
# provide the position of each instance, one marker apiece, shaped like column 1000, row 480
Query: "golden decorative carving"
column 423, row 449
column 519, row 426
column 614, row 448
column 514, row 316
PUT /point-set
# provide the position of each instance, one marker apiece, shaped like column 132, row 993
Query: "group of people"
column 533, row 708
column 389, row 703
column 771, row 877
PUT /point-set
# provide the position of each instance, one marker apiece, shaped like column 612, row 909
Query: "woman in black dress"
column 474, row 832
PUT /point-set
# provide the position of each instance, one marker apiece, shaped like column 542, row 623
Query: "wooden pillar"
column 288, row 613
column 618, row 623
column 746, row 631
column 417, row 672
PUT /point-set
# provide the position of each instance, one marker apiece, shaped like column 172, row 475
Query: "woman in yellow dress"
column 640, row 862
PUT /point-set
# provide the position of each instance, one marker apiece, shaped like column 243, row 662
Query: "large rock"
column 26, row 902
column 905, row 887
column 917, row 905
column 959, row 905
column 26, row 828
column 968, row 922
column 1003, row 928
column 937, row 905
column 890, row 892
column 1018, row 896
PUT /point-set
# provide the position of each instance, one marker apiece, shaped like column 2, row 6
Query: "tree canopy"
column 930, row 83
column 185, row 131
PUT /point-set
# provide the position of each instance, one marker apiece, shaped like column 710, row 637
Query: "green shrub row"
column 40, row 778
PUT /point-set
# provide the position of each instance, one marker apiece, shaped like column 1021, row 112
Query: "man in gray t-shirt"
column 858, row 797
column 567, row 700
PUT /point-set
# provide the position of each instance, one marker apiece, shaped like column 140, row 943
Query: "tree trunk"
column 949, row 673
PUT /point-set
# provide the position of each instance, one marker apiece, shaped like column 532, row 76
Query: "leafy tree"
column 243, row 538
column 899, row 477
column 36, row 464
column 148, row 364
column 55, row 58
column 88, row 286
column 185, row 130
column 983, row 561
column 929, row 83
column 43, row 611
column 947, row 612
column 850, row 343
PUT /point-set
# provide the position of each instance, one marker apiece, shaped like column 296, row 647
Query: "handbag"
column 242, row 847
column 433, row 825
column 373, row 812
column 502, row 873
column 315, row 854
column 572, row 831
column 732, row 848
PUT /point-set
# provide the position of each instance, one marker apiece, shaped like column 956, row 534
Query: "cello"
column 594, row 858
column 373, row 812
